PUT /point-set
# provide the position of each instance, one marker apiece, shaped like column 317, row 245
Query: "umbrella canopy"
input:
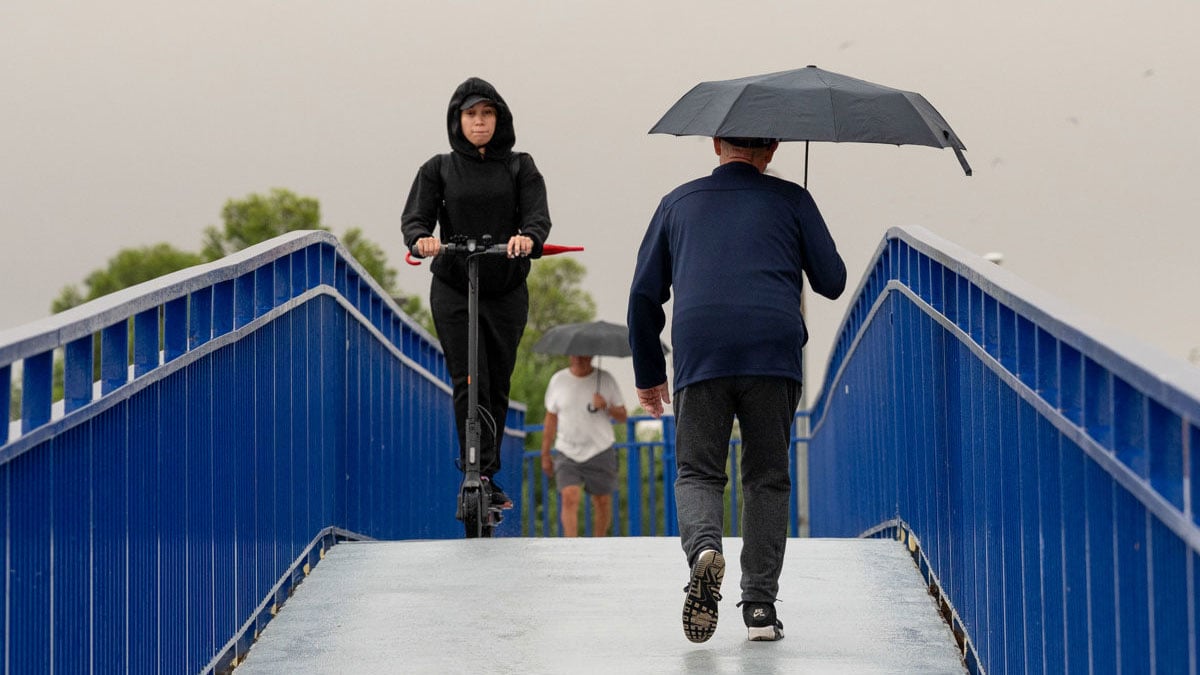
column 810, row 104
column 592, row 338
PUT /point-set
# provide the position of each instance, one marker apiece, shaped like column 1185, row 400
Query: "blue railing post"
column 200, row 317
column 633, row 463
column 175, row 329
column 36, row 390
column 114, row 355
column 145, row 342
column 77, row 373
column 5, row 400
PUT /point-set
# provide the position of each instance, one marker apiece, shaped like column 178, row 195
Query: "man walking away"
column 733, row 246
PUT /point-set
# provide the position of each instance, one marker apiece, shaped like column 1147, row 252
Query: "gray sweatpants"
column 704, row 413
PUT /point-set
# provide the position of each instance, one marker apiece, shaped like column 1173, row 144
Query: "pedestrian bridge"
column 247, row 466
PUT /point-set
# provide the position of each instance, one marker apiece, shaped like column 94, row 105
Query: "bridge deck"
column 591, row 605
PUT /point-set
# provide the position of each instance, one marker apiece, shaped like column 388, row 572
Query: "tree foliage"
column 245, row 222
column 257, row 218
column 371, row 256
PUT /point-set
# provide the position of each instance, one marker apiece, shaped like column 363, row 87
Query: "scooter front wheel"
column 474, row 514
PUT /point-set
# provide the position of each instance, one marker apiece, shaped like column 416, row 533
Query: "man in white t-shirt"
column 582, row 402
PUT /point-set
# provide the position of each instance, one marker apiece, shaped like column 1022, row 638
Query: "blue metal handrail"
column 153, row 519
column 1041, row 467
column 636, row 508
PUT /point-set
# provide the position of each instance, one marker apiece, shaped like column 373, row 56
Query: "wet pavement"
column 597, row 605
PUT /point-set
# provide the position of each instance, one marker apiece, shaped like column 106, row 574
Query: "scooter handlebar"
column 473, row 248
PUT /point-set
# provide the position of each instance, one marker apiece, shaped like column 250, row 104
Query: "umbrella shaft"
column 805, row 165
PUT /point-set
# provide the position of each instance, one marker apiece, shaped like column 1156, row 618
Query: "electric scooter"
column 475, row 508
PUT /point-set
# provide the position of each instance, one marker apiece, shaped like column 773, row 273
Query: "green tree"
column 248, row 221
column 412, row 306
column 371, row 256
column 257, row 218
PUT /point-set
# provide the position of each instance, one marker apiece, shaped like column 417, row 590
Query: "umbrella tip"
column 811, row 66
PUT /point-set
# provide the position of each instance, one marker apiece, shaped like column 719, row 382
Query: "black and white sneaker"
column 703, row 594
column 761, row 622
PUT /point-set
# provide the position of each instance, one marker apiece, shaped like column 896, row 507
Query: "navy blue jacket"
column 733, row 246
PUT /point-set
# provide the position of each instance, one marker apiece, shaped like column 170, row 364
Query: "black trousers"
column 501, row 323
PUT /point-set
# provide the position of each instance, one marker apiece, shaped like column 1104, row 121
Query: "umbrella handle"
column 961, row 160
column 591, row 408
column 555, row 249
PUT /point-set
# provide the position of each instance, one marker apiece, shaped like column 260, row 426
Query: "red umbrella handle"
column 547, row 249
column 555, row 249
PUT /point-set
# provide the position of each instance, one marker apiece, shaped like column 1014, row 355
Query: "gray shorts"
column 598, row 475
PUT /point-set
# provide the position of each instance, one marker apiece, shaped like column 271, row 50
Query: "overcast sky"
column 131, row 122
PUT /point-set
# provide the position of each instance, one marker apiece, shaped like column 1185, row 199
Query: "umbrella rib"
column 729, row 111
column 837, row 132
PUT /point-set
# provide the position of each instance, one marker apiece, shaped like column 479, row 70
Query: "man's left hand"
column 652, row 399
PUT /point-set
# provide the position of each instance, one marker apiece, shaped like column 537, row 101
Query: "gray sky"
column 131, row 122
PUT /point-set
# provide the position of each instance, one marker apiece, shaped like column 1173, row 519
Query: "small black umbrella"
column 810, row 104
column 591, row 338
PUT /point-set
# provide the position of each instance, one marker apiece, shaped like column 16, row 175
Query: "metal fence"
column 644, row 503
column 1041, row 467
column 219, row 428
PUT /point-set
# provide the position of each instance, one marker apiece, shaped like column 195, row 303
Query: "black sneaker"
column 497, row 496
column 761, row 622
column 703, row 594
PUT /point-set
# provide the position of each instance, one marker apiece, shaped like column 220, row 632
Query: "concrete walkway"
column 597, row 605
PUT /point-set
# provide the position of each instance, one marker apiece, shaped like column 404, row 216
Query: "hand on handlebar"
column 519, row 246
column 427, row 247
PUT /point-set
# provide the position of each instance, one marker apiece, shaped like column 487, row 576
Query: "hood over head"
column 505, row 137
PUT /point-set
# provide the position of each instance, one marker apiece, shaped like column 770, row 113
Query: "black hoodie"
column 501, row 194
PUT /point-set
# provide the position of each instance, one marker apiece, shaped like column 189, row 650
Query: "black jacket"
column 501, row 193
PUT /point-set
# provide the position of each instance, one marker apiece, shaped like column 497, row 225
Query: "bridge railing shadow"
column 1042, row 467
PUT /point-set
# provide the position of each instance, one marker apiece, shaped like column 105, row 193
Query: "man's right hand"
column 547, row 464
column 652, row 399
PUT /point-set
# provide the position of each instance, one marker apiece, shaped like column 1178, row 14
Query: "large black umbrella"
column 809, row 104
column 591, row 338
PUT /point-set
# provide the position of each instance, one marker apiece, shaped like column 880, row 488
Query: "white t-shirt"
column 582, row 434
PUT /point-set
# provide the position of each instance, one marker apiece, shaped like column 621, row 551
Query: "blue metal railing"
column 248, row 414
column 1041, row 467
column 646, row 504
